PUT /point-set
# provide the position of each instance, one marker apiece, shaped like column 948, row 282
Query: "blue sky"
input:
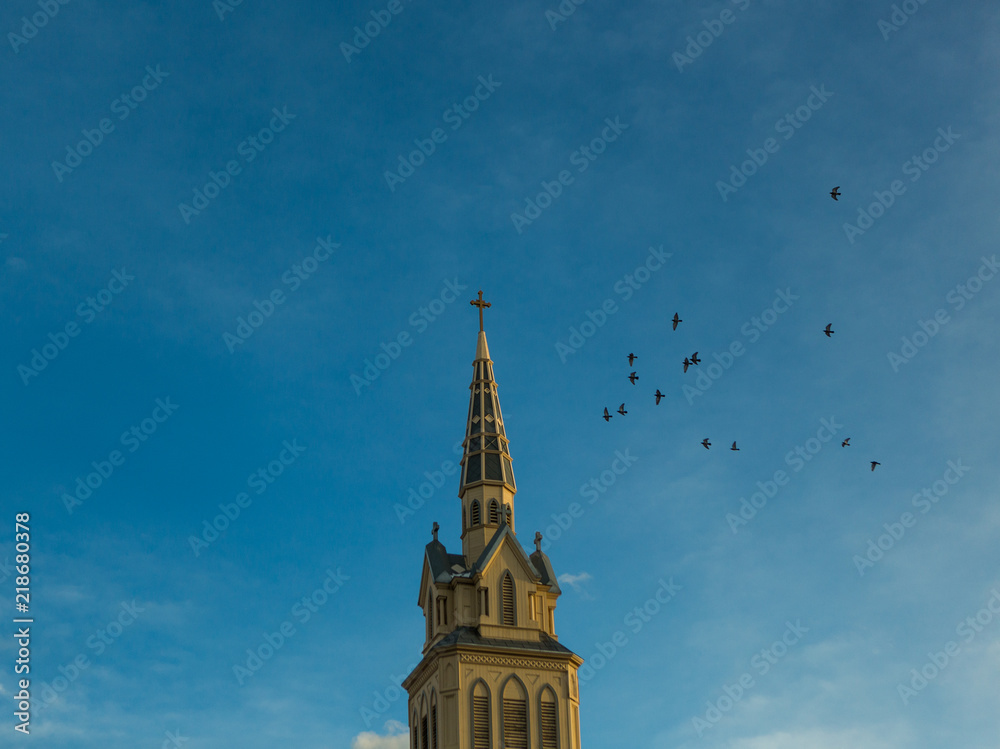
column 786, row 626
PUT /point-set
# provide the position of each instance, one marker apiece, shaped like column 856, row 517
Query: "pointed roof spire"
column 487, row 455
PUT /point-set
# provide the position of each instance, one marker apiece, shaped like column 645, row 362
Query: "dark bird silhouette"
column 835, row 192
column 607, row 416
column 695, row 359
column 621, row 409
column 631, row 358
column 687, row 363
column 875, row 463
column 705, row 443
column 658, row 396
column 846, row 443
column 633, row 377
column 734, row 447
column 829, row 330
column 677, row 319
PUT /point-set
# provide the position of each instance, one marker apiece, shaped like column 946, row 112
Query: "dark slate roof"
column 545, row 571
column 470, row 636
column 445, row 566
column 442, row 562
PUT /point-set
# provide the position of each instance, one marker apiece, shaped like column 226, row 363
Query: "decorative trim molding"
column 505, row 661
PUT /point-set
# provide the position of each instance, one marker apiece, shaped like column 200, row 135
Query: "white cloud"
column 574, row 581
column 397, row 737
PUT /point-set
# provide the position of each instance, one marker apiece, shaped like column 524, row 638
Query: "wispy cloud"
column 396, row 737
column 576, row 582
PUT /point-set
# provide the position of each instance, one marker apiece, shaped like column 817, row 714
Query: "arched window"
column 434, row 721
column 414, row 723
column 515, row 715
column 494, row 512
column 480, row 716
column 476, row 513
column 507, row 599
column 548, row 719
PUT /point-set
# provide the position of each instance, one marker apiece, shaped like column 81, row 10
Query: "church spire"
column 487, row 480
column 493, row 672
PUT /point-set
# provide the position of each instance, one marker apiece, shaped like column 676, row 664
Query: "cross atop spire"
column 480, row 303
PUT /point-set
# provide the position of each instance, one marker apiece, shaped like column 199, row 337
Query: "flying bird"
column 677, row 319
column 687, row 363
column 875, row 463
column 829, row 330
column 658, row 396
column 846, row 443
column 835, row 192
column 734, row 447
column 607, row 416
column 695, row 359
column 631, row 358
column 621, row 409
column 633, row 377
column 705, row 443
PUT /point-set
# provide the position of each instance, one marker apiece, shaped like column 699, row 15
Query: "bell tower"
column 494, row 674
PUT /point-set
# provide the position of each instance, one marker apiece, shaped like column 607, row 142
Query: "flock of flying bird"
column 693, row 360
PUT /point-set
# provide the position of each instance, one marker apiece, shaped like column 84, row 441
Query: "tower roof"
column 486, row 458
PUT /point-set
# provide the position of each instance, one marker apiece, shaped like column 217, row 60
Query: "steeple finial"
column 538, row 541
column 434, row 530
column 481, row 304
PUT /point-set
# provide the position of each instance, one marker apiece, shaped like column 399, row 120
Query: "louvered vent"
column 434, row 727
column 515, row 724
column 480, row 722
column 548, row 718
column 508, row 600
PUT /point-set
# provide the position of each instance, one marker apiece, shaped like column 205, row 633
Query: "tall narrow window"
column 480, row 717
column 484, row 601
column 413, row 732
column 442, row 611
column 476, row 518
column 494, row 512
column 429, row 614
column 423, row 733
column 548, row 720
column 434, row 721
column 507, row 599
column 515, row 716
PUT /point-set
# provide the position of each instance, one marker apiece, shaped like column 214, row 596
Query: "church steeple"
column 487, row 485
column 493, row 672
